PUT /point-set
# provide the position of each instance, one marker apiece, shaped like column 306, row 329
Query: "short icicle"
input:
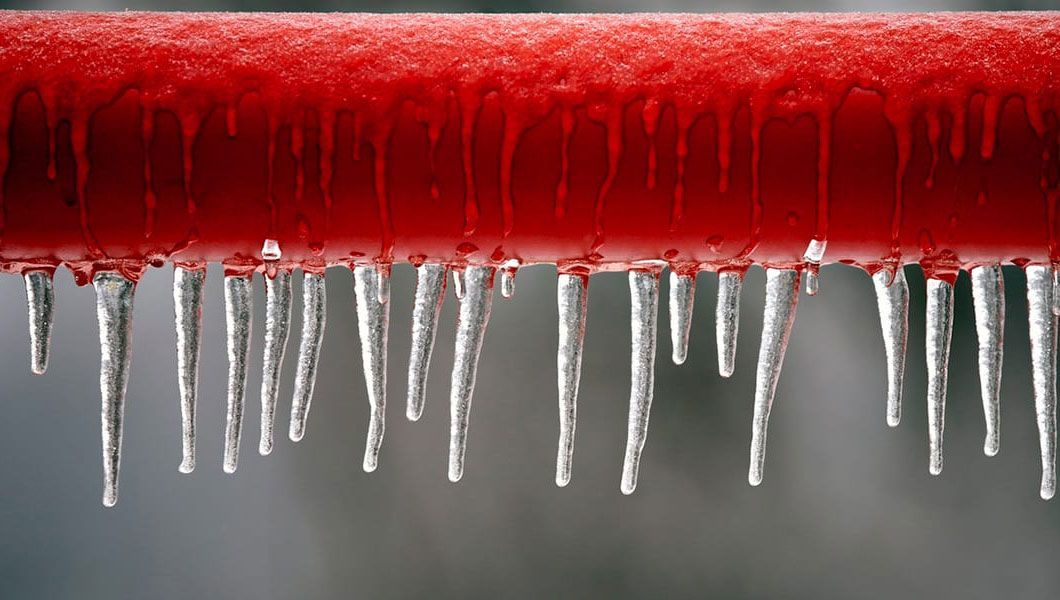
column 277, row 331
column 892, row 299
column 40, row 298
column 508, row 282
column 644, row 304
column 682, row 300
column 187, row 315
column 572, row 294
column 458, row 283
column 114, row 308
column 1042, row 324
column 727, row 320
column 373, row 320
column 430, row 293
column 813, row 256
column 782, row 299
column 988, row 295
column 314, row 313
column 939, row 333
column 239, row 300
column 471, row 327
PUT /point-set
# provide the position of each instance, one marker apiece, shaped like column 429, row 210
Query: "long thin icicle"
column 644, row 303
column 314, row 318
column 1042, row 321
column 430, row 293
column 682, row 301
column 572, row 294
column 939, row 332
column 114, row 307
column 782, row 299
column 892, row 299
column 988, row 296
column 40, row 298
column 187, row 313
column 239, row 300
column 471, row 327
column 727, row 319
column 277, row 330
column 373, row 320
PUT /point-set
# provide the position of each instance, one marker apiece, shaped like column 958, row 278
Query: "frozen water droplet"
column 277, row 331
column 430, row 293
column 270, row 250
column 373, row 320
column 682, row 299
column 508, row 281
column 40, row 298
column 727, row 320
column 892, row 300
column 187, row 313
column 239, row 299
column 782, row 299
column 988, row 295
column 572, row 294
column 471, row 327
column 644, row 301
column 1042, row 323
column 939, row 332
column 458, row 283
column 114, row 308
column 314, row 313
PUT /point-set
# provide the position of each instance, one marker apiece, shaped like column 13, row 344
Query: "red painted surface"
column 705, row 141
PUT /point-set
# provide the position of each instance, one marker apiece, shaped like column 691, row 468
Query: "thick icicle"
column 314, row 313
column 430, row 293
column 114, row 307
column 644, row 301
column 1042, row 321
column 728, row 320
column 682, row 299
column 373, row 319
column 782, row 299
column 40, row 297
column 277, row 330
column 571, row 294
column 239, row 300
column 892, row 299
column 187, row 313
column 474, row 316
column 988, row 295
column 939, row 332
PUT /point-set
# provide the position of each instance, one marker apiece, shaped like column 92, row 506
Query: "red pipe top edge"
column 707, row 141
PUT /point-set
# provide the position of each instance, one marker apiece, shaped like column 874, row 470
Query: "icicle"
column 812, row 257
column 727, row 320
column 1043, row 360
column 314, row 305
column 458, row 283
column 430, row 293
column 373, row 319
column 239, row 300
column 187, row 315
column 572, row 298
column 988, row 294
column 40, row 297
column 508, row 281
column 644, row 301
column 682, row 298
column 892, row 299
column 471, row 326
column 114, row 308
column 782, row 299
column 277, row 330
column 1056, row 291
column 939, row 331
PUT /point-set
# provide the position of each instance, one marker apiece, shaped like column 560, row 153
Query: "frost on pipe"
column 478, row 144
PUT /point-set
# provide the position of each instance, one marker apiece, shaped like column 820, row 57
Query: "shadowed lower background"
column 847, row 508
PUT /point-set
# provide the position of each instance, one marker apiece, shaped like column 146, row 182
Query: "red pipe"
column 706, row 141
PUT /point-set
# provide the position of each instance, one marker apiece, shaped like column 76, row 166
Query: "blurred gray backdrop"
column 847, row 508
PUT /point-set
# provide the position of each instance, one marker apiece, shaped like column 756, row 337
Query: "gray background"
column 847, row 508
